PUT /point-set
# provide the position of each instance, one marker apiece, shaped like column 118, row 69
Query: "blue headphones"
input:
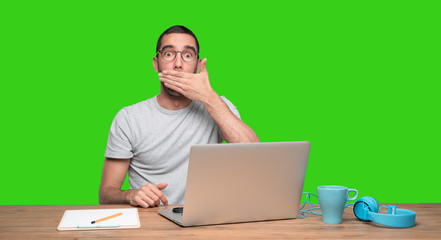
column 366, row 209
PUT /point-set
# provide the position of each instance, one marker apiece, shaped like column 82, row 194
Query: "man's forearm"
column 232, row 128
column 112, row 195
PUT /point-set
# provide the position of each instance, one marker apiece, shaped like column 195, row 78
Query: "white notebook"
column 81, row 219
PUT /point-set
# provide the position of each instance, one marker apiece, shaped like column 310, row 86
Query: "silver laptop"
column 242, row 182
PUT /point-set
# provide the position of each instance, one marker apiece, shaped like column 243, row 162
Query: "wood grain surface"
column 40, row 222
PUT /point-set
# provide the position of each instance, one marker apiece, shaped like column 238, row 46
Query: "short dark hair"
column 177, row 29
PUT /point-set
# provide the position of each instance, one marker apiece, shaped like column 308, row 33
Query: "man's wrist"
column 211, row 99
column 128, row 195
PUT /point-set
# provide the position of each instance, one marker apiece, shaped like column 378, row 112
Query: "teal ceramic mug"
column 332, row 200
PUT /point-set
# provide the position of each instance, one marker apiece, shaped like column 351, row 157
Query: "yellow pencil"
column 106, row 218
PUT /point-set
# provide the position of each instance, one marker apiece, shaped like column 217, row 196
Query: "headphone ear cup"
column 363, row 206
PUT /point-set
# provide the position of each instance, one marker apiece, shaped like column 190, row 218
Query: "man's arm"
column 232, row 128
column 197, row 87
column 114, row 173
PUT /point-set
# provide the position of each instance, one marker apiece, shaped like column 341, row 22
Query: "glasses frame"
column 182, row 56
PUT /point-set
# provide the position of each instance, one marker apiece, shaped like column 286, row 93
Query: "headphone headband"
column 366, row 209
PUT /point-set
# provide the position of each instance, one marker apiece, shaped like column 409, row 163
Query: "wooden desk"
column 40, row 222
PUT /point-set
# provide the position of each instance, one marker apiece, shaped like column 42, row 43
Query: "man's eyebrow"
column 186, row 47
column 190, row 47
column 167, row 46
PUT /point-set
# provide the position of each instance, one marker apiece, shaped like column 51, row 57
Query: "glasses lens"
column 188, row 55
column 168, row 54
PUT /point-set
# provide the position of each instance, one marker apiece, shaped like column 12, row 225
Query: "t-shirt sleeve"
column 231, row 106
column 118, row 142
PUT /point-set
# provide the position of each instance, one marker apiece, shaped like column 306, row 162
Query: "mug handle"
column 356, row 194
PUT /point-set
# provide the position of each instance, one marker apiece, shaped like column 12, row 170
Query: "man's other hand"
column 193, row 86
column 149, row 196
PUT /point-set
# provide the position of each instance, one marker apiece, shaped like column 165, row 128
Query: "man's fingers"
column 154, row 195
column 149, row 196
column 146, row 198
column 159, row 197
column 204, row 65
column 140, row 199
column 160, row 194
column 155, row 201
column 173, row 78
column 173, row 83
column 142, row 203
column 161, row 186
column 175, row 73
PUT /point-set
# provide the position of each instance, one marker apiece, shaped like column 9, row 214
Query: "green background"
column 358, row 79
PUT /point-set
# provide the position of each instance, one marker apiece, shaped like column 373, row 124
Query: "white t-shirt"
column 158, row 142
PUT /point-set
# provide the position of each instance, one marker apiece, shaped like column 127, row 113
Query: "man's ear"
column 199, row 67
column 155, row 64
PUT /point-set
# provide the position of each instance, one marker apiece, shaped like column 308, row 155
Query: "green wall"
column 358, row 79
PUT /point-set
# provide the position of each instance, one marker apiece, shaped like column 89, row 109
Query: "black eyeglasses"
column 169, row 54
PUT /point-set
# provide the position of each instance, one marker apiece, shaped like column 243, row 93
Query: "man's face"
column 178, row 42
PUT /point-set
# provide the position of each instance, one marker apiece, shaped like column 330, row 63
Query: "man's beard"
column 170, row 92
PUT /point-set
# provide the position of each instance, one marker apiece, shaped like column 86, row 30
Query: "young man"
column 152, row 139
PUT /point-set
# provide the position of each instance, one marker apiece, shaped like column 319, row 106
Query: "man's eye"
column 168, row 54
column 188, row 55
